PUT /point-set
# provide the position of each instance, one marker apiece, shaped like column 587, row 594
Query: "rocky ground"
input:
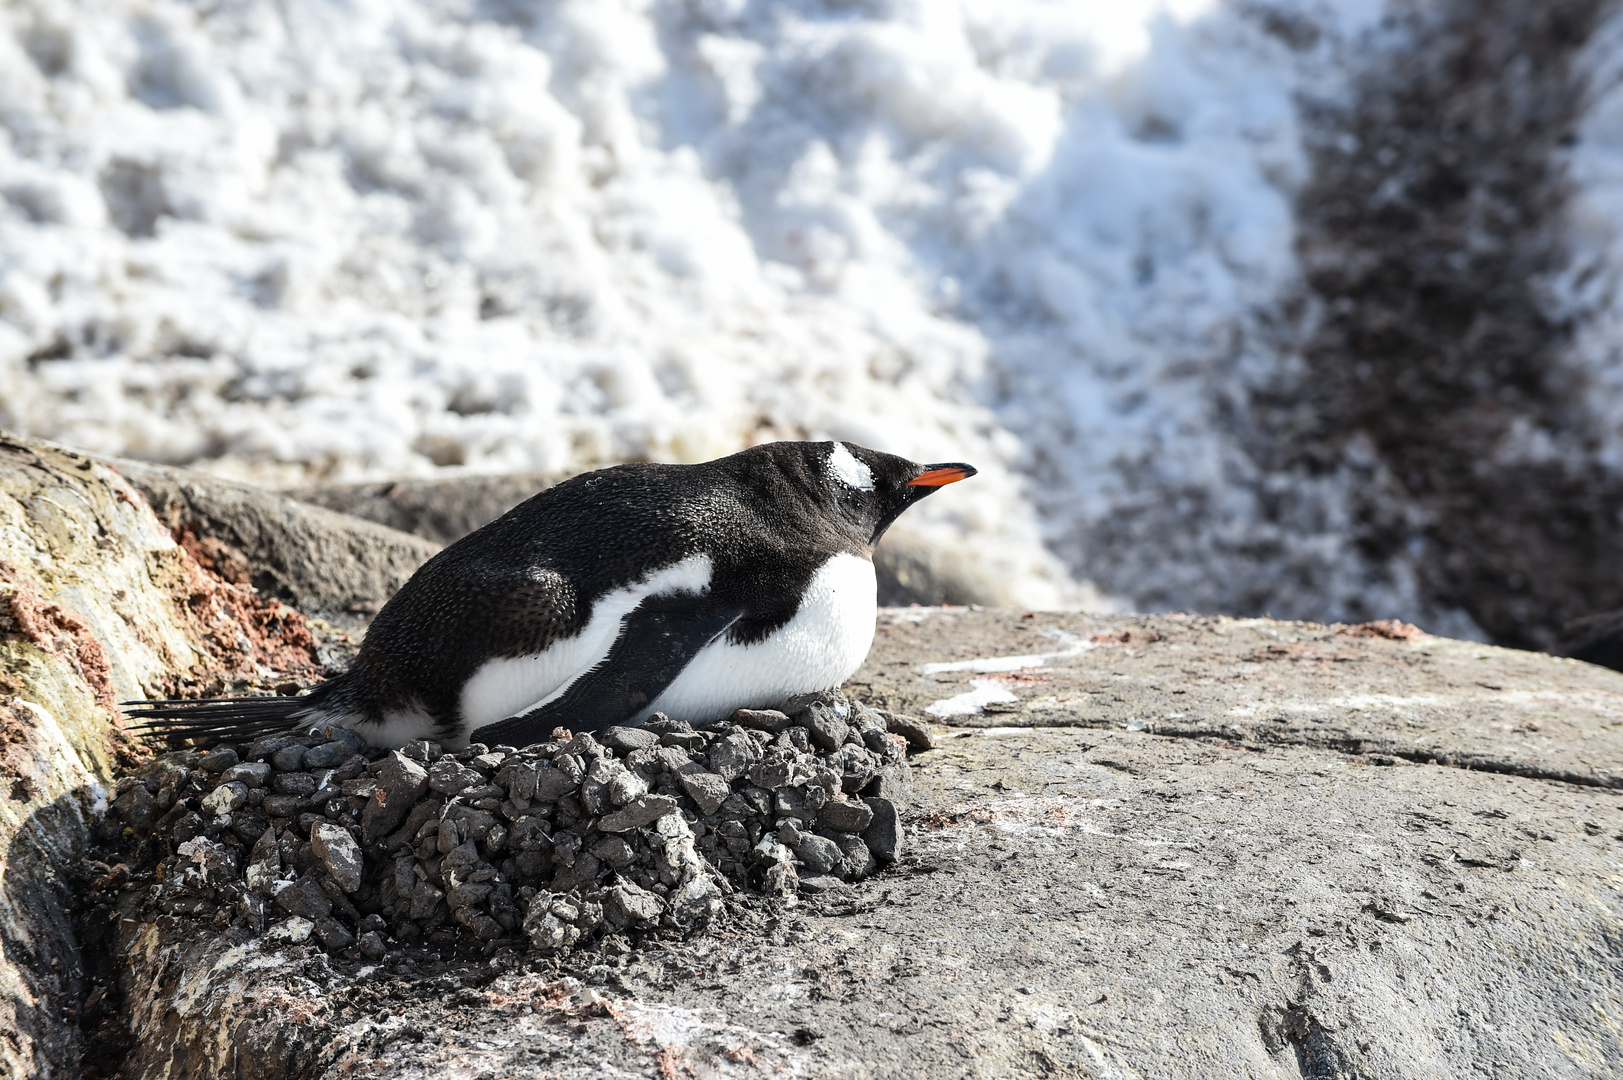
column 1138, row 846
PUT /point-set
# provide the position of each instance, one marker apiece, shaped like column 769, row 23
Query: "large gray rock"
column 323, row 563
column 1114, row 891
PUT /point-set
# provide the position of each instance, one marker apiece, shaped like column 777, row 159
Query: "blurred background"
column 1301, row 307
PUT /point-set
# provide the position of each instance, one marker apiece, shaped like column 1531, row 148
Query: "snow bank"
column 353, row 238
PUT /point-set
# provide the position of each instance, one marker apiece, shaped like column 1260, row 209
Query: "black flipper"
column 237, row 719
column 657, row 640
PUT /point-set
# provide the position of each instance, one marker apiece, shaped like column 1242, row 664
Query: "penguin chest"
column 818, row 649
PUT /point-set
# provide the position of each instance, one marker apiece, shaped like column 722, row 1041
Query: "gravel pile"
column 322, row 837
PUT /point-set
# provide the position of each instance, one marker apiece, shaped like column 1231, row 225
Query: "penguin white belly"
column 513, row 685
column 818, row 649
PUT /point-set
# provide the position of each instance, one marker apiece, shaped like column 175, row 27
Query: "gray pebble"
column 826, row 728
column 226, row 798
column 373, row 946
column 293, row 783
column 914, row 730
column 884, row 834
column 623, row 740
column 252, row 773
column 261, row 749
column 401, row 782
column 333, row 935
column 637, row 813
column 218, row 760
column 305, row 899
column 326, row 755
column 823, row 884
column 335, row 849
column 845, row 815
column 706, row 789
column 288, row 758
column 770, row 720
column 552, row 783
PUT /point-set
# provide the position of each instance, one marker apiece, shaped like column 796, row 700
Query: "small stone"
column 370, row 923
column 614, row 851
column 487, row 762
column 422, row 751
column 761, row 719
column 265, row 848
column 626, row 786
column 425, row 897
column 914, row 730
column 826, row 729
column 819, row 853
column 894, row 782
column 401, row 782
column 326, row 756
column 136, row 807
column 483, row 926
column 781, row 878
column 706, row 789
column 856, row 861
column 338, row 854
column 581, row 875
column 798, row 802
column 305, row 899
column 623, row 740
column 261, row 749
column 294, row 931
column 553, row 783
column 732, row 756
column 672, row 759
column 372, row 945
column 218, row 760
column 637, row 813
column 288, row 758
column 333, row 935
column 683, row 740
column 884, row 834
column 282, row 806
column 772, row 775
column 627, row 905
column 294, row 783
column 660, row 724
column 822, row 884
column 858, row 767
column 448, row 776
column 469, row 892
column 226, row 798
column 256, row 774
column 841, row 815
column 348, row 736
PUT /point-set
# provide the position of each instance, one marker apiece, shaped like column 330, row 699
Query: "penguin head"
column 871, row 489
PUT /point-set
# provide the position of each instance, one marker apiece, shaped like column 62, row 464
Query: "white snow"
column 1589, row 290
column 355, row 238
column 982, row 692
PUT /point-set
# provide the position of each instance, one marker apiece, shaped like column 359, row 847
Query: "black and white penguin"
column 691, row 590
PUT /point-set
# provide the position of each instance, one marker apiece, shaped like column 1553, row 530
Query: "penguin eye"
column 845, row 467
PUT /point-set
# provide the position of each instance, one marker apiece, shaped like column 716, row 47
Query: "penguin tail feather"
column 213, row 720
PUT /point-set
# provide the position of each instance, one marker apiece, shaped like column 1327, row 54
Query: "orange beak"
column 937, row 475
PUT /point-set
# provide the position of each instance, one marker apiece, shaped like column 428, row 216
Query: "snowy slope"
column 319, row 238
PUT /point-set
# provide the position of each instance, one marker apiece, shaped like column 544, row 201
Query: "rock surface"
column 1142, row 846
column 98, row 604
column 322, row 563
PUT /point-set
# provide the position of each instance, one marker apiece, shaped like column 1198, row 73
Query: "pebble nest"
column 634, row 829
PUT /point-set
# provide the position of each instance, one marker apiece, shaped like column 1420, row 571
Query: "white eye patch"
column 848, row 470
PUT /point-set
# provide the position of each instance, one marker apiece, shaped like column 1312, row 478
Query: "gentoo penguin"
column 691, row 590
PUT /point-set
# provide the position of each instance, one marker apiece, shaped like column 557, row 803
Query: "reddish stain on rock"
column 60, row 632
